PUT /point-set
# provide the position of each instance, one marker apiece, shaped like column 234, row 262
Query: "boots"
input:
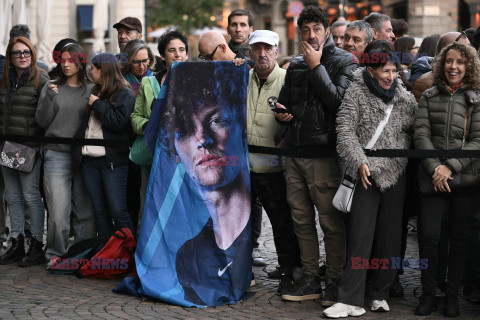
column 35, row 254
column 427, row 304
column 451, row 308
column 15, row 252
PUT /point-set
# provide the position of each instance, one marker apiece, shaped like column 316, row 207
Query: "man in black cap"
column 128, row 28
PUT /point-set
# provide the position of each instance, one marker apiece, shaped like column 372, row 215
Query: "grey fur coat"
column 358, row 118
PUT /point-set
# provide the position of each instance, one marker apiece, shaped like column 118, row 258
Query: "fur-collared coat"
column 358, row 118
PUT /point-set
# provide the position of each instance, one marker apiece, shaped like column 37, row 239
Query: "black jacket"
column 116, row 124
column 313, row 96
column 18, row 105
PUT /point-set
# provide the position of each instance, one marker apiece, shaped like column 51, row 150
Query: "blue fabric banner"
column 194, row 246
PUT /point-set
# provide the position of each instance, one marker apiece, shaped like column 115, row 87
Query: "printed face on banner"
column 209, row 150
column 200, row 190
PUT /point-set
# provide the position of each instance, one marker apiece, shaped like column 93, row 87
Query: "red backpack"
column 115, row 260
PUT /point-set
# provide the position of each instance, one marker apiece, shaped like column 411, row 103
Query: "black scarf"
column 374, row 87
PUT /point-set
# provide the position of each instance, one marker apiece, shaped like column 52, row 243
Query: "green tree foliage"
column 184, row 14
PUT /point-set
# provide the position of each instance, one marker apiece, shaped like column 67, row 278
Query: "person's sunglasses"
column 136, row 63
column 210, row 56
column 460, row 36
column 18, row 54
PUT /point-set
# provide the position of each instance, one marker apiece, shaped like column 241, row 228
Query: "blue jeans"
column 65, row 194
column 107, row 188
column 23, row 193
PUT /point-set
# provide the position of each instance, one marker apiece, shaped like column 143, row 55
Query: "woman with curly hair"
column 448, row 119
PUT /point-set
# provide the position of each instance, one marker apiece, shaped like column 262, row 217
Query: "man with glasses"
column 213, row 47
column 314, row 87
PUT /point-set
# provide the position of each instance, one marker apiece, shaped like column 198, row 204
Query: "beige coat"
column 261, row 125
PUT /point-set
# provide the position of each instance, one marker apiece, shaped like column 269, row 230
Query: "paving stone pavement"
column 33, row 293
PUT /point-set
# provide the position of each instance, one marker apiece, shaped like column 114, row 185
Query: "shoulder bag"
column 344, row 195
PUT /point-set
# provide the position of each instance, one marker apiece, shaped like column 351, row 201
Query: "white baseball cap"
column 265, row 36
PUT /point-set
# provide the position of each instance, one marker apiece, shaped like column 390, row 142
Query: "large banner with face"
column 194, row 246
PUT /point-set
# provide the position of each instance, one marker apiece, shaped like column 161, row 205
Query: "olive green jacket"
column 441, row 120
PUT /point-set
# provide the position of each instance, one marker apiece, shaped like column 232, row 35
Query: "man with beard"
column 314, row 87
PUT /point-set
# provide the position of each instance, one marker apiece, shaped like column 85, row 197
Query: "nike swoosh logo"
column 222, row 271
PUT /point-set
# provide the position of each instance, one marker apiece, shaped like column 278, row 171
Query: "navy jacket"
column 116, row 124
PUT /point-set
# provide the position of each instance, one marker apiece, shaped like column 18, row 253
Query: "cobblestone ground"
column 33, row 293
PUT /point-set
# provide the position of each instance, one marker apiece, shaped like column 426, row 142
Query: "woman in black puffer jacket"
column 449, row 119
column 19, row 93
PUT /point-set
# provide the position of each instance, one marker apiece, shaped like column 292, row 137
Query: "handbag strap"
column 380, row 128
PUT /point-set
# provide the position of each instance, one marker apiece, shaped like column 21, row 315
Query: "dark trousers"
column 374, row 232
column 256, row 221
column 107, row 188
column 460, row 205
column 270, row 188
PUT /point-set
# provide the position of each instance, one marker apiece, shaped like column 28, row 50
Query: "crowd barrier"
column 308, row 152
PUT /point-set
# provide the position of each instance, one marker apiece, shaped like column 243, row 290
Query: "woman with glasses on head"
column 140, row 62
column 448, row 119
column 60, row 112
column 173, row 46
column 20, row 90
column 105, row 168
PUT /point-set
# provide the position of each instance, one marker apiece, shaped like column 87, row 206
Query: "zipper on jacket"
column 111, row 165
column 449, row 111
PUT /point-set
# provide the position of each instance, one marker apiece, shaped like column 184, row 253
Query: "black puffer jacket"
column 313, row 96
column 18, row 102
column 116, row 124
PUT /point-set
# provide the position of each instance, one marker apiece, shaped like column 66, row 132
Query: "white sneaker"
column 379, row 306
column 257, row 259
column 341, row 310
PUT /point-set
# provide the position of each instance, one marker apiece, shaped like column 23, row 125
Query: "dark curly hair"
column 313, row 14
column 472, row 63
column 208, row 84
column 169, row 36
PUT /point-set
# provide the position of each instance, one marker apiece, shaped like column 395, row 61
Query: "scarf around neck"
column 136, row 82
column 454, row 88
column 374, row 87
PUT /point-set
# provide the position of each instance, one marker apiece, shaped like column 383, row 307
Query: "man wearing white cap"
column 266, row 172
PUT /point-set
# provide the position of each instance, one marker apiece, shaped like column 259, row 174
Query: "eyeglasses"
column 460, row 36
column 136, row 63
column 210, row 56
column 18, row 54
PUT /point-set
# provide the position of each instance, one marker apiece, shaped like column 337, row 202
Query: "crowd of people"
column 358, row 85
